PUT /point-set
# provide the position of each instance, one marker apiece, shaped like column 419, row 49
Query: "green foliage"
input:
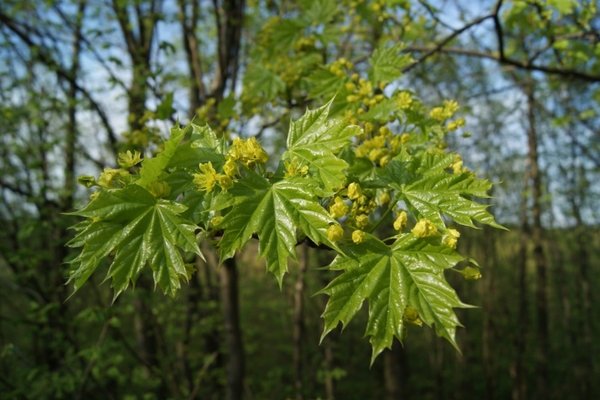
column 406, row 275
column 139, row 230
column 150, row 216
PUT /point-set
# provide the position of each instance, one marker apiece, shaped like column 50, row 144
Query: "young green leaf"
column 274, row 212
column 387, row 63
column 315, row 139
column 410, row 272
column 139, row 230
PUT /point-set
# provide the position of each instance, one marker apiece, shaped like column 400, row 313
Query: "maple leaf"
column 315, row 139
column 426, row 186
column 139, row 230
column 410, row 272
column 273, row 211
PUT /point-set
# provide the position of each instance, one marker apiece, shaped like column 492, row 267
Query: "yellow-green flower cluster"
column 382, row 147
column 424, row 228
column 450, row 239
column 457, row 165
column 401, row 221
column 358, row 236
column 361, row 91
column 354, row 191
column 208, row 178
column 454, row 125
column 113, row 177
column 129, row 159
column 404, row 100
column 338, row 208
column 411, row 315
column 295, row 168
column 247, row 151
column 335, row 232
column 340, row 66
column 470, row 273
column 444, row 112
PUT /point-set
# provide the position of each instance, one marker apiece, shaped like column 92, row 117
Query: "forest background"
column 81, row 81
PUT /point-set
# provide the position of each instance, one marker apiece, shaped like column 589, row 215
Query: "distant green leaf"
column 262, row 82
column 317, row 12
column 387, row 63
column 139, row 230
column 324, row 84
column 165, row 108
column 410, row 272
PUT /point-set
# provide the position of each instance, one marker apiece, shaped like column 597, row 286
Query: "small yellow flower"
column 129, row 159
column 450, row 107
column 335, row 232
column 110, row 176
column 361, row 220
column 437, row 113
column 404, row 100
column 207, row 178
column 224, row 181
column 385, row 160
column 424, row 228
column 376, row 154
column 354, row 191
column 383, row 198
column 358, row 236
column 247, row 151
column 470, row 273
column 230, row 168
column 401, row 221
column 450, row 239
column 411, row 315
column 338, row 208
column 457, row 165
column 216, row 221
column 457, row 123
column 294, row 168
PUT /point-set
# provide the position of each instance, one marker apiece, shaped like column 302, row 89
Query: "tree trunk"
column 539, row 257
column 233, row 334
column 517, row 368
column 585, row 353
column 298, row 318
column 328, row 366
column 394, row 372
column 488, row 334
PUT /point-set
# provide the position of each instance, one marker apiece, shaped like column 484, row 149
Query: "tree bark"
column 394, row 372
column 233, row 333
column 488, row 333
column 539, row 257
column 517, row 368
column 299, row 328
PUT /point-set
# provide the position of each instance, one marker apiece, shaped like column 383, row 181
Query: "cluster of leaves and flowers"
column 366, row 175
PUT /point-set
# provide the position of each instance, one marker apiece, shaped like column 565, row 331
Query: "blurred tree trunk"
column 138, row 28
column 228, row 276
column 517, row 369
column 188, row 15
column 395, row 372
column 298, row 321
column 488, row 288
column 328, row 367
column 585, row 354
column 536, row 237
